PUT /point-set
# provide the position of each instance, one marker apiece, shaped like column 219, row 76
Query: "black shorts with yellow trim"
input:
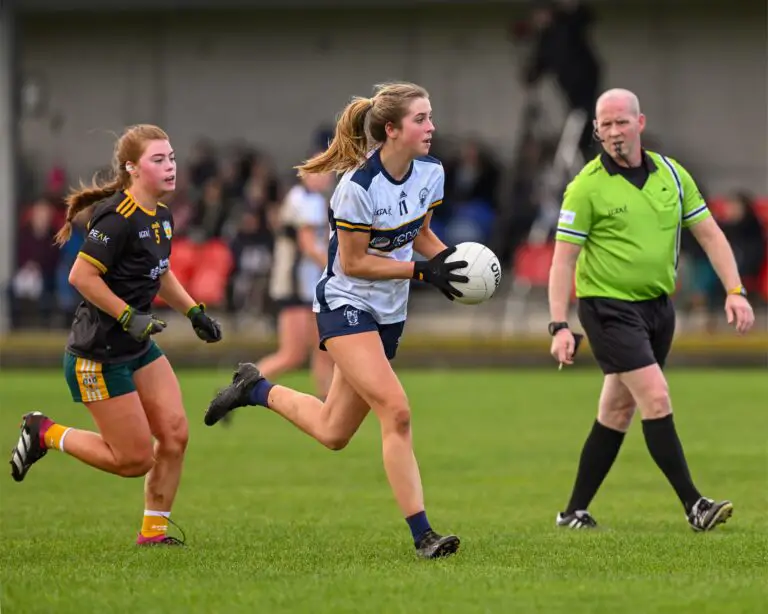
column 91, row 381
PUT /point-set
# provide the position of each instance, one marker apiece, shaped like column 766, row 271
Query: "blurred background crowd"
column 229, row 194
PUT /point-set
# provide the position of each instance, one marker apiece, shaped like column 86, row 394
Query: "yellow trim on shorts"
column 97, row 391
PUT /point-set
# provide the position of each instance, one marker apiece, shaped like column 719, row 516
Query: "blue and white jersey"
column 369, row 200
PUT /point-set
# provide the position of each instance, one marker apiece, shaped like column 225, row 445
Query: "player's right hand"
column 439, row 273
column 139, row 325
column 563, row 346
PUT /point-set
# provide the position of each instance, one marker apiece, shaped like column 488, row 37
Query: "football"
column 483, row 270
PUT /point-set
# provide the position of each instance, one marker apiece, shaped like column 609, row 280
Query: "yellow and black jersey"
column 131, row 246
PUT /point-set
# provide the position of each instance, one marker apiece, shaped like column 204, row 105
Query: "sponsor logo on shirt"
column 144, row 234
column 162, row 267
column 617, row 211
column 567, row 217
column 98, row 237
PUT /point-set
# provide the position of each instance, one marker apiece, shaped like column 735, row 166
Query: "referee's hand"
column 739, row 312
column 563, row 346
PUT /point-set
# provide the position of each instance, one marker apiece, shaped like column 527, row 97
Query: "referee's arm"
column 698, row 219
column 561, row 279
column 573, row 228
column 718, row 250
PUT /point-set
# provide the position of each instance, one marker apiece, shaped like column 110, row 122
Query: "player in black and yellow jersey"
column 111, row 363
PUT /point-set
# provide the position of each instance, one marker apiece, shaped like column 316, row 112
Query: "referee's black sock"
column 597, row 457
column 666, row 449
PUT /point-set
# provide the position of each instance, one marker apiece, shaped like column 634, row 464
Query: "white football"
column 483, row 270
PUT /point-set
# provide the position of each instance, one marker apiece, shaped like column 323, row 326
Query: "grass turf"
column 275, row 523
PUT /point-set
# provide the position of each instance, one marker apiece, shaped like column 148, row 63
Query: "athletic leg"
column 294, row 326
column 160, row 394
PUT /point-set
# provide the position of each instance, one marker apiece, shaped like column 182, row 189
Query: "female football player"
column 111, row 364
column 381, row 210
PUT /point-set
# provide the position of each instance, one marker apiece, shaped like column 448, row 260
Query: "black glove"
column 140, row 325
column 208, row 329
column 438, row 273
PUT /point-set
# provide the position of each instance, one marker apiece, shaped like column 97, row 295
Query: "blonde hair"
column 351, row 141
column 128, row 148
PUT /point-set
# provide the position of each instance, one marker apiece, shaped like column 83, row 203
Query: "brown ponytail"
column 82, row 200
column 129, row 148
column 349, row 146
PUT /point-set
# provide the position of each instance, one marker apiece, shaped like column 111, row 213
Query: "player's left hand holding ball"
column 739, row 312
column 439, row 273
column 208, row 329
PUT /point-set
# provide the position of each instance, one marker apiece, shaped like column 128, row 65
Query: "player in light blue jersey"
column 381, row 211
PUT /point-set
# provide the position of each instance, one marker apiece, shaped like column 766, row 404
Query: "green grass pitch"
column 275, row 523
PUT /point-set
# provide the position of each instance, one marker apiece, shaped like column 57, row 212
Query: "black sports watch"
column 556, row 326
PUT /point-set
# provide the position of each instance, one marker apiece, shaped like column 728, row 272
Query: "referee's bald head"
column 627, row 98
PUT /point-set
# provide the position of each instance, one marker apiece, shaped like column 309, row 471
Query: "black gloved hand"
column 438, row 273
column 140, row 325
column 208, row 329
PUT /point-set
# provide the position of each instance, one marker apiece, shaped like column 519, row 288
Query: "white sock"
column 63, row 437
column 153, row 513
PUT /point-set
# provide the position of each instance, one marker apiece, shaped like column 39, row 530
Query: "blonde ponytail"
column 349, row 146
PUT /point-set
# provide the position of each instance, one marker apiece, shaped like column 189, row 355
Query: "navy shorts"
column 348, row 320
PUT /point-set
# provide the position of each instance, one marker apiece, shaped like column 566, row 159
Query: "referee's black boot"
column 706, row 514
column 237, row 394
column 434, row 546
column 580, row 519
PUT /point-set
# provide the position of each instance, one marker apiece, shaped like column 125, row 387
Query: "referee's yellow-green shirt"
column 630, row 236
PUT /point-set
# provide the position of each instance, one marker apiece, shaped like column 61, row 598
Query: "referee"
column 619, row 231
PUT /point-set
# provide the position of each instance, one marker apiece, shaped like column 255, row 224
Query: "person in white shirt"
column 299, row 258
column 381, row 211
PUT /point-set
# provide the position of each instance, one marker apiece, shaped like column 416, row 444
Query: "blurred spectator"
column 737, row 218
column 562, row 48
column 522, row 208
column 210, row 211
column 33, row 287
column 252, row 252
column 202, row 163
column 471, row 195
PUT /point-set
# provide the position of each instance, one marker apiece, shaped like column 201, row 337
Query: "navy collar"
column 376, row 160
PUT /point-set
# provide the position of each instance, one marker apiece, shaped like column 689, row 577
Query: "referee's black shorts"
column 627, row 335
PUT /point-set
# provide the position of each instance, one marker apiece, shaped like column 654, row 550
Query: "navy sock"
column 418, row 524
column 260, row 393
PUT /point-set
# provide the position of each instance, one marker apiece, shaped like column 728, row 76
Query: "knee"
column 396, row 419
column 336, row 442
column 658, row 404
column 136, row 464
column 618, row 414
column 173, row 439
